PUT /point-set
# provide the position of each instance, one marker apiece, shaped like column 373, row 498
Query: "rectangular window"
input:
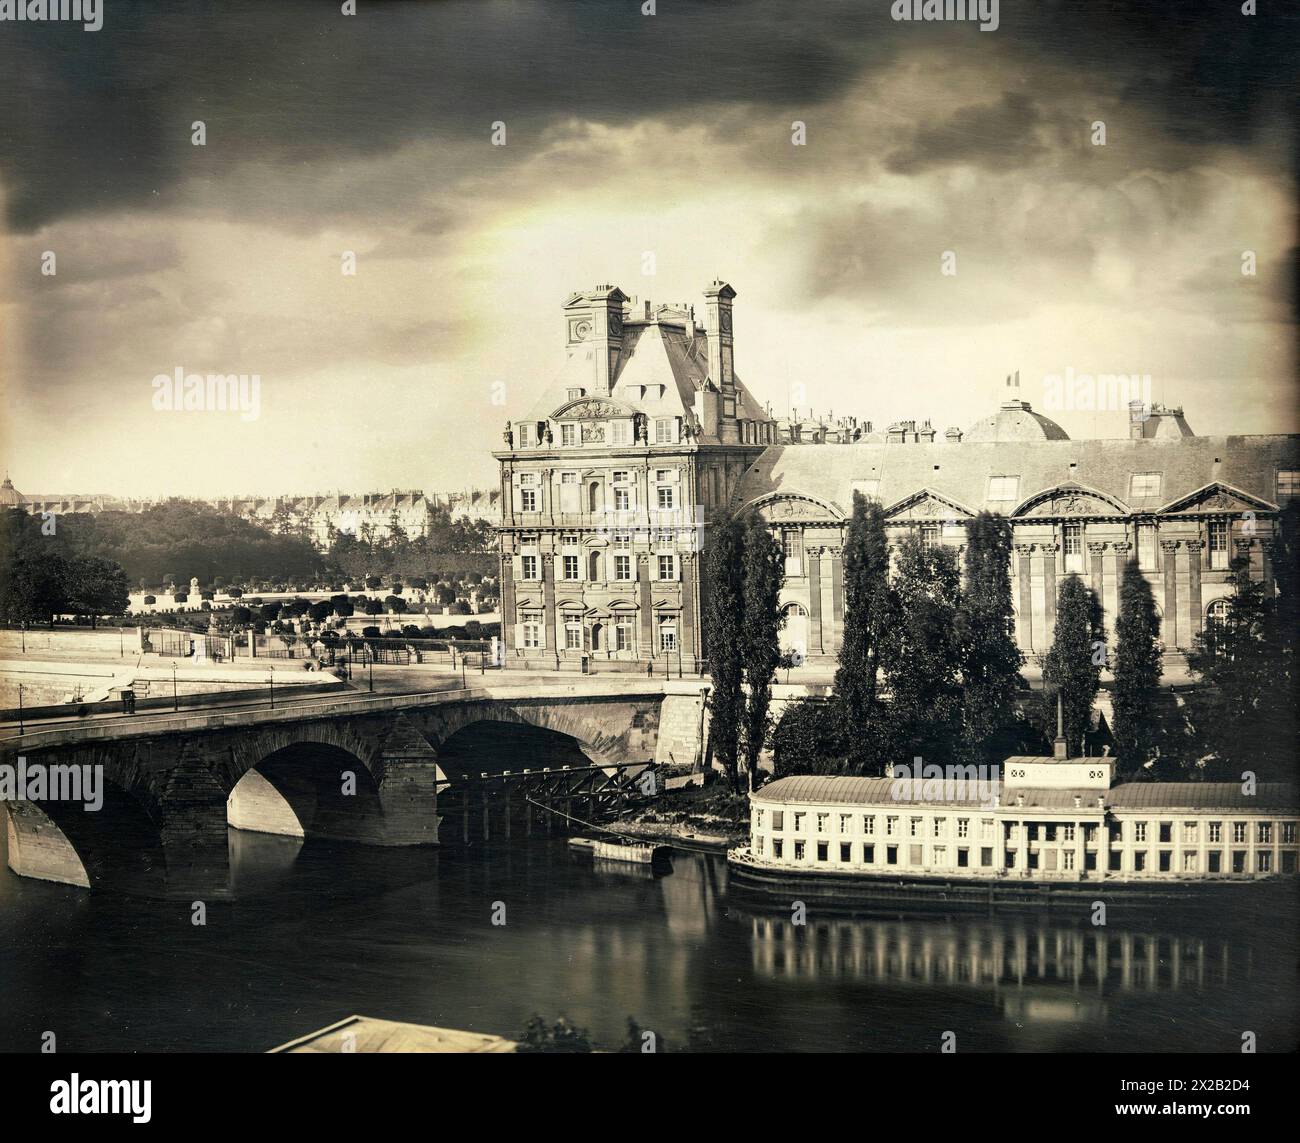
column 622, row 499
column 891, row 827
column 823, row 850
column 1164, row 861
column 846, row 851
column 568, row 434
column 940, row 855
column 1139, row 860
column 1072, row 535
column 1139, row 831
column 663, row 430
column 1218, row 537
column 914, row 855
column 914, row 828
column 1146, row 547
column 568, row 478
column 798, row 851
column 1216, row 832
column 1143, row 484
column 667, row 634
column 930, row 535
column 891, row 855
column 869, row 853
column 1067, row 859
column 1067, row 833
column 622, row 566
column 777, row 847
column 623, row 636
column 1288, row 833
column 1214, row 861
column 778, row 820
column 963, row 827
column 792, row 550
column 868, row 825
column 758, row 845
column 939, row 825
column 1166, row 831
column 1239, row 861
column 986, row 857
column 798, row 820
column 528, row 500
column 570, row 567
column 525, row 436
column 529, row 566
column 1238, row 832
column 1264, row 862
column 1004, row 487
column 667, row 567
column 1264, row 833
column 619, row 432
column 1288, row 483
column 665, row 497
column 1189, row 861
column 532, row 631
column 823, row 822
column 986, row 828
column 846, row 823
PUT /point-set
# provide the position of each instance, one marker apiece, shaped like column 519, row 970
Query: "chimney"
column 1058, row 745
column 718, row 297
column 596, row 319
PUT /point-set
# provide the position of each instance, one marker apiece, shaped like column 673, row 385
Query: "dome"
column 1016, row 421
column 10, row 497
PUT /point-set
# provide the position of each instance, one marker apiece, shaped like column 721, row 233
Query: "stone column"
column 1096, row 574
column 815, row 601
column 837, row 599
column 645, row 604
column 552, row 647
column 508, row 615
column 1195, row 608
column 686, row 563
column 1049, row 587
column 1024, row 569
column 1169, row 625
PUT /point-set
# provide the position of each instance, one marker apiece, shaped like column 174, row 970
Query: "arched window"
column 593, row 567
column 1216, row 615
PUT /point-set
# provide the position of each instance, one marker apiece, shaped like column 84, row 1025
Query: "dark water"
column 320, row 933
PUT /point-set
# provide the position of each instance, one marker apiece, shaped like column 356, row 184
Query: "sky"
column 633, row 143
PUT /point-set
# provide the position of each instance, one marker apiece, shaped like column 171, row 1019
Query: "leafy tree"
column 924, row 654
column 763, row 572
column 373, row 607
column 1072, row 667
column 808, row 738
column 395, row 604
column 723, row 611
column 867, row 612
column 96, row 587
column 1137, row 672
column 240, row 616
column 990, row 659
column 318, row 612
column 1243, row 715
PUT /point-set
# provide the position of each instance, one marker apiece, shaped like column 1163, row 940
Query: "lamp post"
column 271, row 676
column 24, row 628
column 20, row 708
column 370, row 663
column 176, row 701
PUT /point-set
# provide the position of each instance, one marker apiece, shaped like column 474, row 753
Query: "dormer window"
column 568, row 435
column 574, row 394
column 1288, row 483
column 1004, row 487
column 663, row 430
column 525, row 435
column 620, row 432
column 1142, row 484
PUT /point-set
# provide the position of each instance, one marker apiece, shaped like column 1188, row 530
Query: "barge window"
column 1265, row 860
column 823, row 850
column 846, row 851
column 778, row 819
column 869, row 854
column 1214, row 861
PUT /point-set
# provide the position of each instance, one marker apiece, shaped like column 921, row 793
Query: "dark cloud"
column 102, row 119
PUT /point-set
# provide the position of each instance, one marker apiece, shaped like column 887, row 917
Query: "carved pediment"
column 1217, row 497
column 591, row 409
column 1070, row 500
column 793, row 508
column 927, row 505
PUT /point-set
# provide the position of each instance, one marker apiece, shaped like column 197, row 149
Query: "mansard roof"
column 1189, row 467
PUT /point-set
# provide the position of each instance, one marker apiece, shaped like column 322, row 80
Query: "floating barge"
column 634, row 853
column 365, row 1034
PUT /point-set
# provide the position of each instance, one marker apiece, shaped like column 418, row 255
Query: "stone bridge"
column 363, row 769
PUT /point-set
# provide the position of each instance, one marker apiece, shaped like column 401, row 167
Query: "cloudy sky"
column 625, row 134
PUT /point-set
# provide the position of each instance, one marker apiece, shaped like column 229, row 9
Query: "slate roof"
column 961, row 471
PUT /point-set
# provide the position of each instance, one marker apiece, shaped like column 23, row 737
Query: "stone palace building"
column 647, row 434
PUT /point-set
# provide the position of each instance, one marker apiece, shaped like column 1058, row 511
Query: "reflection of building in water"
column 990, row 955
column 1054, row 819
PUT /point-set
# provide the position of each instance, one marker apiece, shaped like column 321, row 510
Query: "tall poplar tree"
column 991, row 661
column 1137, row 672
column 866, row 620
column 760, row 633
column 1072, row 667
column 923, row 658
column 724, row 606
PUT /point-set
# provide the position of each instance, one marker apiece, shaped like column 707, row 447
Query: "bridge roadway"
column 357, row 767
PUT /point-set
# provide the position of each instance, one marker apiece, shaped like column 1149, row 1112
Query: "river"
column 321, row 932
